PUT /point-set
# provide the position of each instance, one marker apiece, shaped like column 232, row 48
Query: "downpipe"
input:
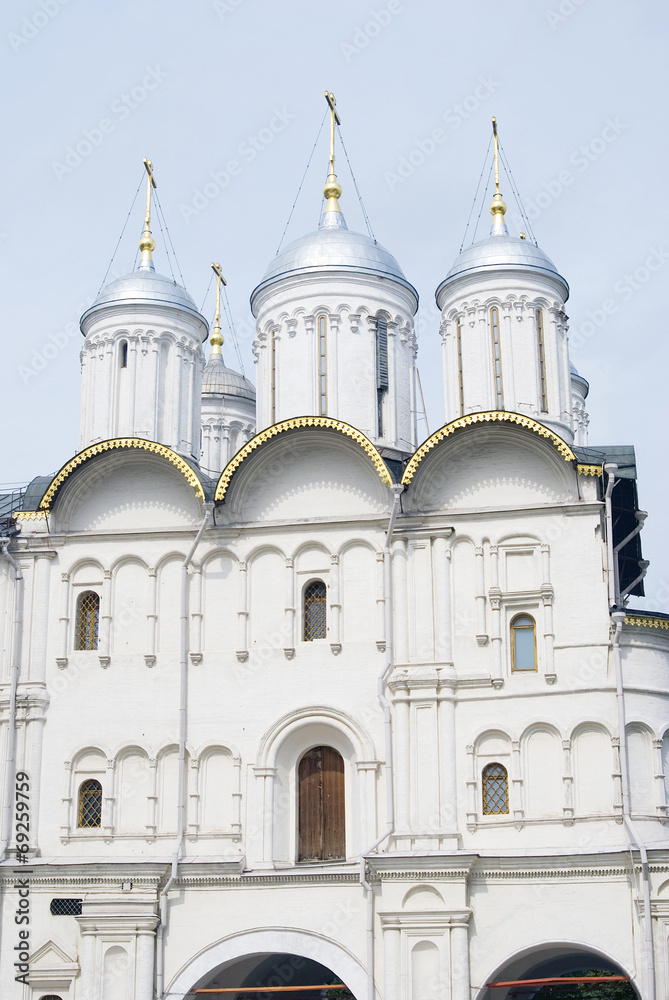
column 634, row 838
column 15, row 671
column 181, row 786
column 387, row 722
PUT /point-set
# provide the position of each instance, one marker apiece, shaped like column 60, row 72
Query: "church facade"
column 289, row 698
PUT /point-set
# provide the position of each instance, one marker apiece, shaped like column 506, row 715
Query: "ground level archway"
column 566, row 959
column 272, row 957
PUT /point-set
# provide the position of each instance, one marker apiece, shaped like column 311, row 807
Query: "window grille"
column 381, row 368
column 496, row 358
column 495, row 789
column 90, row 804
column 87, row 621
column 523, row 643
column 315, row 611
column 541, row 353
column 66, row 907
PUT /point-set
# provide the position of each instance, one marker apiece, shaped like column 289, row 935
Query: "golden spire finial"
column 498, row 206
column 147, row 244
column 332, row 189
column 216, row 338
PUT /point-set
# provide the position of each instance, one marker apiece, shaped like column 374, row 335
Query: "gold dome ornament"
column 147, row 244
column 498, row 205
column 332, row 188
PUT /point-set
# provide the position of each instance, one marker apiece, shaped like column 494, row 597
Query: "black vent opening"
column 66, row 907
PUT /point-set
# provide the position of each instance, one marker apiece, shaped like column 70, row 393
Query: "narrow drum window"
column 273, row 385
column 87, row 620
column 381, row 368
column 322, row 366
column 90, row 804
column 495, row 783
column 523, row 643
column 321, row 817
column 123, row 354
column 541, row 354
column 315, row 611
column 461, row 385
column 496, row 358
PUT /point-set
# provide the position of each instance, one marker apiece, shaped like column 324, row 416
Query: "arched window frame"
column 382, row 383
column 330, row 813
column 85, row 810
column 514, row 627
column 308, row 592
column 495, row 336
column 461, row 384
column 87, row 621
column 322, row 356
column 541, row 356
column 495, row 790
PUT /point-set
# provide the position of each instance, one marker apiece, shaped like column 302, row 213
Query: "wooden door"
column 321, row 819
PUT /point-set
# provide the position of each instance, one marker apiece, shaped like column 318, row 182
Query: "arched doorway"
column 258, row 955
column 557, row 961
column 278, row 971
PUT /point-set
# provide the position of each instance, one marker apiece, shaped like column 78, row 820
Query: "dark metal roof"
column 622, row 455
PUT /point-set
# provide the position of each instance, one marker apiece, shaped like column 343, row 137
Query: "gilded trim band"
column 295, row 424
column 113, row 445
column 490, row 416
column 647, row 622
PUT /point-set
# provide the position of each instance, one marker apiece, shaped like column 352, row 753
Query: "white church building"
column 289, row 698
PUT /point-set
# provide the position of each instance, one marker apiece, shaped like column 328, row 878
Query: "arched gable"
column 294, row 424
column 115, row 444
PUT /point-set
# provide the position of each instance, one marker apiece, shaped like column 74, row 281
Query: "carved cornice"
column 662, row 623
column 295, row 424
column 589, row 470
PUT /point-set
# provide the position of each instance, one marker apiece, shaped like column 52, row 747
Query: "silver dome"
column 216, row 378
column 333, row 247
column 145, row 285
column 500, row 251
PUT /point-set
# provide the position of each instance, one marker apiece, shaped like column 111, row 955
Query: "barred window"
column 87, row 620
column 315, row 610
column 495, row 783
column 66, row 907
column 90, row 804
column 523, row 643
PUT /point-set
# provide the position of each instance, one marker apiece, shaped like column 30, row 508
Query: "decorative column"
column 196, row 613
column 243, row 614
column 567, row 785
column 194, row 797
column 380, row 601
column 392, row 978
column 516, row 786
column 496, row 631
column 472, row 811
column 152, row 800
column 64, row 620
column 460, row 984
column 37, row 701
column 108, row 802
column 151, row 619
column 144, row 963
column 289, row 611
column 105, row 620
column 267, row 775
column 237, row 797
column 401, row 710
column 481, row 632
column 334, row 610
column 367, row 801
column 399, row 571
column 441, row 555
column 448, row 765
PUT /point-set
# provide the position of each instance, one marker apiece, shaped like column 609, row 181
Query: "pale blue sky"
column 579, row 90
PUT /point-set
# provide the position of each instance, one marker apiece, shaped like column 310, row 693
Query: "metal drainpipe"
column 635, row 841
column 610, row 468
column 183, row 730
column 381, row 686
column 15, row 670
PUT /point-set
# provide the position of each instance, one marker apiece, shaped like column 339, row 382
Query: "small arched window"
column 495, row 782
column 87, row 620
column 523, row 643
column 322, row 366
column 123, row 354
column 90, row 804
column 315, row 611
column 321, row 820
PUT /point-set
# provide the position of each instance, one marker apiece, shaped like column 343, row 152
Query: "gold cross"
column 334, row 117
